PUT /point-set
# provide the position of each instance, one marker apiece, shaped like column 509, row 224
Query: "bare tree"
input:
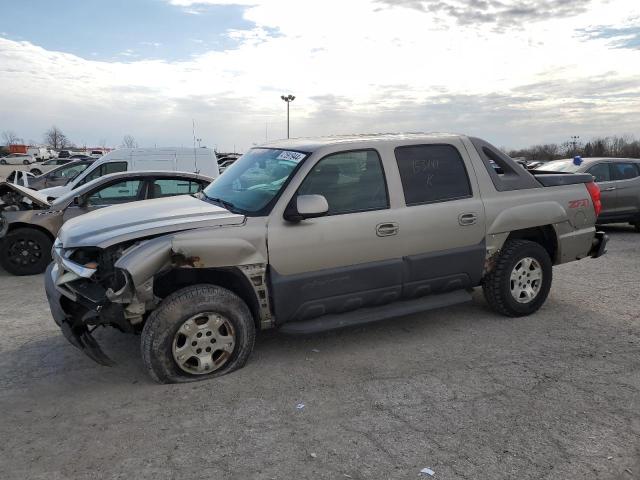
column 10, row 138
column 55, row 138
column 128, row 141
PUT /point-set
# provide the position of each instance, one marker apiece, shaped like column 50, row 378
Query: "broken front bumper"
column 73, row 327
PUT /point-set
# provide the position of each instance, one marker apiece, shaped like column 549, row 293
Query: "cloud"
column 512, row 14
column 372, row 68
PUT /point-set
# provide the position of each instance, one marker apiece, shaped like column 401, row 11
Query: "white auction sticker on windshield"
column 289, row 155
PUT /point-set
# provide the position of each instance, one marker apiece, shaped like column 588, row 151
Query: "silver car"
column 619, row 182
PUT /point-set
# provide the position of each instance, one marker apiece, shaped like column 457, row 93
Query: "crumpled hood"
column 108, row 226
column 33, row 195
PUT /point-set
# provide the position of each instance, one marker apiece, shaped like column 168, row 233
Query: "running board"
column 375, row 314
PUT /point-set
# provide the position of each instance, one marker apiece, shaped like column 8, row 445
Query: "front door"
column 113, row 193
column 345, row 260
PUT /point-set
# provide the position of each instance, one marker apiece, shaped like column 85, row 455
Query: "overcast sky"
column 514, row 72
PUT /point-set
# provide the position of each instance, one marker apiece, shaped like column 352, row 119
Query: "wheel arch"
column 231, row 278
column 29, row 226
column 545, row 235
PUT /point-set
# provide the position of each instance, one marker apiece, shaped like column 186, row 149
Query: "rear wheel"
column 25, row 251
column 197, row 333
column 26, row 162
column 637, row 226
column 521, row 279
column 3, row 162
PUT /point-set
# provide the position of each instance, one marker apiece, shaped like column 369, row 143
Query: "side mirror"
column 79, row 201
column 306, row 206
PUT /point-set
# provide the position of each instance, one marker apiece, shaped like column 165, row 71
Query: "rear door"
column 603, row 175
column 442, row 228
column 627, row 184
column 169, row 187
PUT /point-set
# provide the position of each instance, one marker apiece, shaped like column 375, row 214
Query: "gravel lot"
column 462, row 391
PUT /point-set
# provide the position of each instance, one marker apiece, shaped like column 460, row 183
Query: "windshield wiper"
column 228, row 205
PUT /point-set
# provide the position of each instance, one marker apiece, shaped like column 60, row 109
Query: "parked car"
column 226, row 164
column 60, row 175
column 17, row 159
column 96, row 153
column 312, row 234
column 64, row 154
column 201, row 160
column 29, row 222
column 619, row 181
column 49, row 165
column 39, row 153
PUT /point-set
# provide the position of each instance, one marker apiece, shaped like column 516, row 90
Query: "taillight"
column 594, row 191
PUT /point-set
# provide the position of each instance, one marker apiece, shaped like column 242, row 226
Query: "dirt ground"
column 463, row 391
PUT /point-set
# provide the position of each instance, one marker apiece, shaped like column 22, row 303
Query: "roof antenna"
column 195, row 155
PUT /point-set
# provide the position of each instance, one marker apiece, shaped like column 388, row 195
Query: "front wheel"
column 26, row 162
column 25, row 251
column 521, row 279
column 197, row 333
column 3, row 162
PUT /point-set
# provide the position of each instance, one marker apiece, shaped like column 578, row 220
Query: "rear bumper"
column 73, row 328
column 599, row 246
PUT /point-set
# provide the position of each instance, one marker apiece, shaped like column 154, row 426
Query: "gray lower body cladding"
column 304, row 296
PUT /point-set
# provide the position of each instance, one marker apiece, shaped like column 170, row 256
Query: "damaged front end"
column 86, row 290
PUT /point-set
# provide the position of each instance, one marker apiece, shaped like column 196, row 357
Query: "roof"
column 310, row 144
column 597, row 159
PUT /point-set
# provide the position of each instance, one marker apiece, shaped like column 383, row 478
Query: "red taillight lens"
column 594, row 191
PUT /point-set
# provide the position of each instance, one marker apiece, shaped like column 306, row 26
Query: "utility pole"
column 288, row 99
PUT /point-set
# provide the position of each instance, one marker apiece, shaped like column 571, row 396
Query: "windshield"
column 68, row 170
column 255, row 179
column 559, row 166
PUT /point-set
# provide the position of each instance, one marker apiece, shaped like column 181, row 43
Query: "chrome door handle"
column 467, row 219
column 608, row 189
column 387, row 229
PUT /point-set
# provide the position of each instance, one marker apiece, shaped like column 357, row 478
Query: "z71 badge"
column 579, row 203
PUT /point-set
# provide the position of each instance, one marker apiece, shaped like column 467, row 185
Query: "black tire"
column 37, row 244
column 637, row 226
column 497, row 284
column 3, row 162
column 26, row 162
column 164, row 322
column 36, row 171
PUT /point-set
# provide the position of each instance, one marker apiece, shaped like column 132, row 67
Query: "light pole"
column 288, row 99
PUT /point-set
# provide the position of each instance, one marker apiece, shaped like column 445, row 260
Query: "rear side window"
column 432, row 173
column 624, row 171
column 167, row 187
column 104, row 169
column 601, row 172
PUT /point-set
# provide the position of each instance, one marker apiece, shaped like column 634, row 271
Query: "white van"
column 193, row 160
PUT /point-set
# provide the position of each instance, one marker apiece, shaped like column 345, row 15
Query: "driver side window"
column 121, row 192
column 350, row 181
